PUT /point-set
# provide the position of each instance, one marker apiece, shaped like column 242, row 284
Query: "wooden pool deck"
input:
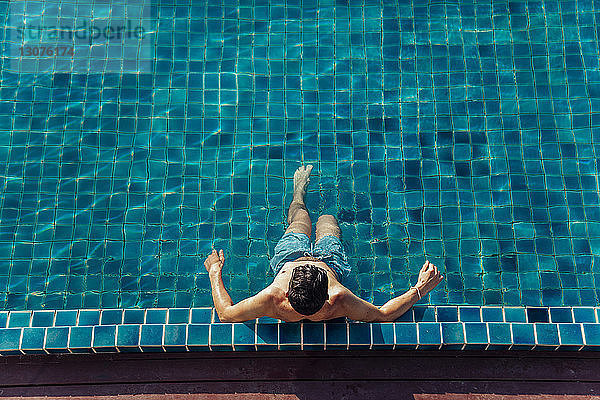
column 380, row 375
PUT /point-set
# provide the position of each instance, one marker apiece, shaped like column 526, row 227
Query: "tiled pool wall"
column 198, row 329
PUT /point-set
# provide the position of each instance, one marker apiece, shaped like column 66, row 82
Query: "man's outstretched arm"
column 256, row 306
column 360, row 310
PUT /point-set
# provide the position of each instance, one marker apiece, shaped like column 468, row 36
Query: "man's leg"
column 327, row 225
column 298, row 218
column 291, row 247
column 328, row 246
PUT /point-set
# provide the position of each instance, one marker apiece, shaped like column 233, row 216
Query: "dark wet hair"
column 308, row 289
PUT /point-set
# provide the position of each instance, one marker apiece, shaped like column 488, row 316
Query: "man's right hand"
column 214, row 262
column 429, row 277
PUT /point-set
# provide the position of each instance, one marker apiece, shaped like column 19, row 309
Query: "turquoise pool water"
column 460, row 132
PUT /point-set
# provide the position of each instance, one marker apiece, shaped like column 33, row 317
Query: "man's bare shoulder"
column 339, row 297
column 279, row 306
column 273, row 293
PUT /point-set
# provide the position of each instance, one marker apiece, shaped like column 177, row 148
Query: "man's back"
column 282, row 309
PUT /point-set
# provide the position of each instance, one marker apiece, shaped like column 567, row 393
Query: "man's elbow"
column 387, row 315
column 226, row 316
column 223, row 318
column 382, row 316
column 228, row 319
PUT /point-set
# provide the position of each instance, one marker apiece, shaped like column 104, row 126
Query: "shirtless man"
column 307, row 278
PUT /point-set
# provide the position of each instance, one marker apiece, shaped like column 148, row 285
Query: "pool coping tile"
column 438, row 327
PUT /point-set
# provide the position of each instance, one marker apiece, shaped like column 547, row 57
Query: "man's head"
column 308, row 289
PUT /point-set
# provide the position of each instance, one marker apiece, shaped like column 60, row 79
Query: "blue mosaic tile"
column 220, row 336
column 570, row 336
column 105, row 338
column 156, row 316
column 453, row 337
column 546, row 335
column 65, row 318
column 359, row 335
column 523, row 336
column 9, row 341
column 198, row 337
column 267, row 336
column 424, row 314
column 128, row 338
column 336, row 336
column 470, row 314
column 561, row 314
column 201, row 315
column 151, row 337
column 584, row 314
column 32, row 341
column 476, row 335
column 406, row 336
column 111, row 317
column 244, row 336
column 382, row 335
column 313, row 336
column 3, row 319
column 88, row 317
column 592, row 336
column 179, row 315
column 133, row 316
column 537, row 314
column 492, row 314
column 429, row 335
column 290, row 336
column 57, row 340
column 515, row 314
column 407, row 317
column 175, row 337
column 19, row 319
column 500, row 336
column 80, row 339
column 42, row 318
column 447, row 314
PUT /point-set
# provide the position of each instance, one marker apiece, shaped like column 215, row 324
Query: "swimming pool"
column 465, row 133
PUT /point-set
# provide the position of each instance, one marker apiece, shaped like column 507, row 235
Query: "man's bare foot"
column 301, row 180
